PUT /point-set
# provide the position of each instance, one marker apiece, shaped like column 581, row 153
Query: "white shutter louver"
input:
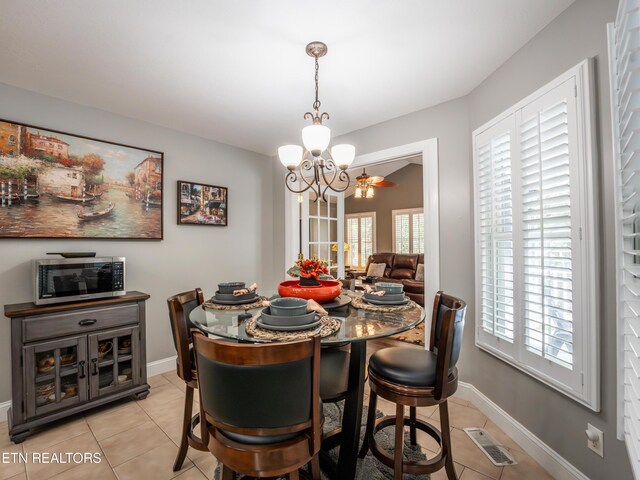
column 535, row 237
column 496, row 235
column 624, row 62
column 546, row 236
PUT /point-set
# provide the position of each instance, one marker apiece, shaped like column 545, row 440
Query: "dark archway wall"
column 406, row 194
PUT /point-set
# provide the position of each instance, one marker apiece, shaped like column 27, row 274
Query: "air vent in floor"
column 498, row 454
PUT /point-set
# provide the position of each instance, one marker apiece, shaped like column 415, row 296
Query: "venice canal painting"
column 58, row 185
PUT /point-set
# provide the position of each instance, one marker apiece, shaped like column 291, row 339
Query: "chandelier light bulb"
column 290, row 155
column 316, row 138
column 343, row 155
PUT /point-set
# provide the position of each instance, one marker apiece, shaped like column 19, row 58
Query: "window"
column 408, row 230
column 360, row 234
column 534, row 235
column 625, row 98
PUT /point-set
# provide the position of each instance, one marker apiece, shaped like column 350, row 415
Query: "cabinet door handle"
column 94, row 366
column 87, row 321
column 83, row 373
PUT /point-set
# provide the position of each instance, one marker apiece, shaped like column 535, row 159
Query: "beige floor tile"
column 442, row 473
column 176, row 381
column 469, row 474
column 205, row 461
column 56, row 433
column 526, row 469
column 14, row 464
column 5, row 441
column 109, row 422
column 501, row 437
column 156, row 464
column 133, row 442
column 426, row 441
column 456, row 399
column 160, row 397
column 20, row 476
column 468, row 454
column 156, row 381
column 84, row 443
column 101, row 471
column 463, row 417
column 192, row 474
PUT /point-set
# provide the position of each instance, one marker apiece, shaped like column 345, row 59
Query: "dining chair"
column 180, row 306
column 261, row 405
column 418, row 378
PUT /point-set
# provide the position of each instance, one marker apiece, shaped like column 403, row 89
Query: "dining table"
column 357, row 327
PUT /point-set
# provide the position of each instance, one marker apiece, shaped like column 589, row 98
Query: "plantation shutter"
column 417, row 239
column 402, row 233
column 495, row 240
column 624, row 43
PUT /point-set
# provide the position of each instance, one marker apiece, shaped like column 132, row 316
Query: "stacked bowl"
column 288, row 313
column 225, row 296
column 393, row 294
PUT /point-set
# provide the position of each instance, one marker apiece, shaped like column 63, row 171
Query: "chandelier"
column 317, row 166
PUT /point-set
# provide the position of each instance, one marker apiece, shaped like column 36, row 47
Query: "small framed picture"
column 201, row 204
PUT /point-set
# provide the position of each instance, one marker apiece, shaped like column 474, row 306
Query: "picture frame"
column 202, row 204
column 61, row 185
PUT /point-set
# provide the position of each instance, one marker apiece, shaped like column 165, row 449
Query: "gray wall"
column 406, row 194
column 189, row 256
column 578, row 33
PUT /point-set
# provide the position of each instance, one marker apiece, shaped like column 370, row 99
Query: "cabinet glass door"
column 56, row 375
column 114, row 360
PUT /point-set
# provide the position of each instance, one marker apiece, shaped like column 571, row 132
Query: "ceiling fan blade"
column 384, row 184
column 376, row 179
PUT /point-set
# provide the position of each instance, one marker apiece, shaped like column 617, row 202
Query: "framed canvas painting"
column 201, row 204
column 60, row 185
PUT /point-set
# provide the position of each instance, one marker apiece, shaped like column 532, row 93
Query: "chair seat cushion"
column 405, row 366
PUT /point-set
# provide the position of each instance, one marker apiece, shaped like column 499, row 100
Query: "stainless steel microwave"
column 72, row 279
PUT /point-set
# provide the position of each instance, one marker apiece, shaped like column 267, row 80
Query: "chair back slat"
column 260, row 389
column 447, row 329
column 180, row 306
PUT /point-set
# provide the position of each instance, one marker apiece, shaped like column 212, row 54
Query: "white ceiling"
column 236, row 71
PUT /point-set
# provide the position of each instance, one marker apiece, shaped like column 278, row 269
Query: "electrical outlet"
column 595, row 439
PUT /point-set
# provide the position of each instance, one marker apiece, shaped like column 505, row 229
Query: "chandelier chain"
column 316, row 104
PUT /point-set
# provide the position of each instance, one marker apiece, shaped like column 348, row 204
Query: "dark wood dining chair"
column 180, row 306
column 418, row 378
column 261, row 405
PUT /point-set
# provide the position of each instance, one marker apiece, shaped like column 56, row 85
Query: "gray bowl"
column 286, row 320
column 389, row 297
column 229, row 297
column 389, row 287
column 288, row 306
column 229, row 287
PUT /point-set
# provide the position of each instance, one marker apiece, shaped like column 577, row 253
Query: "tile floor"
column 138, row 440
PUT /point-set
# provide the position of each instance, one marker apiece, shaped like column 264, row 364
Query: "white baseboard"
column 161, row 366
column 153, row 368
column 548, row 458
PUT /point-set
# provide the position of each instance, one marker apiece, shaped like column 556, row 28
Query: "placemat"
column 249, row 306
column 359, row 303
column 328, row 326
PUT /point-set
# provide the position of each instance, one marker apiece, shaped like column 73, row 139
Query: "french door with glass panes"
column 322, row 230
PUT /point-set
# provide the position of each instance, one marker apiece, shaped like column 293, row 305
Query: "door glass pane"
column 313, row 230
column 333, row 260
column 313, row 250
column 324, row 230
column 322, row 205
column 105, row 363
column 324, row 252
column 333, row 206
column 333, row 237
column 313, row 205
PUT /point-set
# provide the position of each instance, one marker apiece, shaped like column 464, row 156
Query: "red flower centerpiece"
column 310, row 286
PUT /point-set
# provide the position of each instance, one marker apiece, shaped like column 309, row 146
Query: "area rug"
column 368, row 468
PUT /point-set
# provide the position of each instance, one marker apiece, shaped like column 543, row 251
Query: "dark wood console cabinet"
column 71, row 357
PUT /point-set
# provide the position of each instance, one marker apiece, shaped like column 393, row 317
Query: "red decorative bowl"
column 325, row 292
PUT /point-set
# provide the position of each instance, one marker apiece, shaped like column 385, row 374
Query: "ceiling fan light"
column 370, row 192
column 290, row 155
column 358, row 193
column 343, row 155
column 316, row 138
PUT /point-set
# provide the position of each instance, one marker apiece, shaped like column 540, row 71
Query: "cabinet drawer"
column 42, row 327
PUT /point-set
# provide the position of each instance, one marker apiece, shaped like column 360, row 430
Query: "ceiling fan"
column 366, row 183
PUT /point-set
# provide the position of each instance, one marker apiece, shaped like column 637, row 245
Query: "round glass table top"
column 357, row 325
